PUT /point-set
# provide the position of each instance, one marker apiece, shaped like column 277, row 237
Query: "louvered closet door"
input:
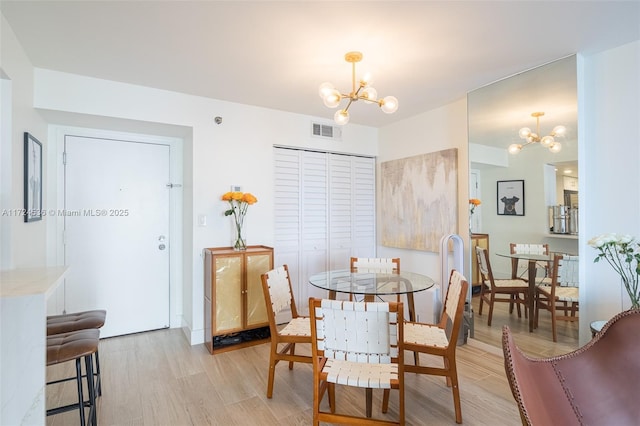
column 324, row 214
column 315, row 223
column 364, row 207
column 287, row 204
column 340, row 210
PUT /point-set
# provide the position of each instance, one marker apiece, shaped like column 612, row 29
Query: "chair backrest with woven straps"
column 528, row 249
column 565, row 277
column 367, row 332
column 279, row 295
column 375, row 264
column 484, row 267
column 452, row 312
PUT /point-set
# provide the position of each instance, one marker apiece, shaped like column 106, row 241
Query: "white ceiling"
column 275, row 54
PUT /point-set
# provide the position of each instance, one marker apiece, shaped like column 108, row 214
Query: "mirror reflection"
column 523, row 152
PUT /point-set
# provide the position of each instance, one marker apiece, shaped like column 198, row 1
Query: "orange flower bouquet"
column 239, row 202
column 474, row 202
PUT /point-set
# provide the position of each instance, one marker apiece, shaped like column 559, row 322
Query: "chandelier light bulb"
column 370, row 94
column 341, row 117
column 555, row 147
column 367, row 79
column 559, row 131
column 524, row 132
column 324, row 89
column 389, row 104
column 547, row 141
column 515, row 148
column 332, row 99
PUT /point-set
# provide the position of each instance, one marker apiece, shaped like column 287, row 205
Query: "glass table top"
column 371, row 283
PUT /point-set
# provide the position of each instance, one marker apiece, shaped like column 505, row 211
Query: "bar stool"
column 74, row 346
column 58, row 324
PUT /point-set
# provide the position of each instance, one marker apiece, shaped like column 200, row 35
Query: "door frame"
column 56, row 185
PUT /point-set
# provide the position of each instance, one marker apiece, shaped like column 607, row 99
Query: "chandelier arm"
column 348, row 105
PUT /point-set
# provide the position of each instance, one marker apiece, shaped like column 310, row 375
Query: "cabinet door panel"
column 228, row 288
column 257, row 264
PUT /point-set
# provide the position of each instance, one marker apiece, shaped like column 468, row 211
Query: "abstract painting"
column 419, row 199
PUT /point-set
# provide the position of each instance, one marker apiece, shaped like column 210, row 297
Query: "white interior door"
column 117, row 232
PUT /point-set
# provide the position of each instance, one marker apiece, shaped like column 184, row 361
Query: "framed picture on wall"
column 510, row 197
column 32, row 178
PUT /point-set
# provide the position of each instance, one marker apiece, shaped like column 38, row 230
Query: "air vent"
column 326, row 131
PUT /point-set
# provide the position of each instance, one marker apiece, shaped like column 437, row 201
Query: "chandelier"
column 546, row 141
column 363, row 91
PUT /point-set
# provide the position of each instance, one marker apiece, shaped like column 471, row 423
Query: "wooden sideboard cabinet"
column 477, row 240
column 233, row 298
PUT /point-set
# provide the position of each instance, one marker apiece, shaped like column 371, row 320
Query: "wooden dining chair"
column 278, row 296
column 562, row 294
column 356, row 344
column 375, row 264
column 494, row 290
column 515, row 248
column 441, row 339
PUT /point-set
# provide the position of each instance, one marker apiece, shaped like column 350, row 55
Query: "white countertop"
column 30, row 281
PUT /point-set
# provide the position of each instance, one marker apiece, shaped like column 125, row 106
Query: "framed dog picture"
column 510, row 197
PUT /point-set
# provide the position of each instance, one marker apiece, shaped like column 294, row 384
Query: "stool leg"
column 80, row 395
column 88, row 362
column 98, row 380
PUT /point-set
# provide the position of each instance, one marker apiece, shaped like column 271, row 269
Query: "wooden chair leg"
column 385, row 401
column 491, row 309
column 292, row 352
column 456, row 392
column 272, row 370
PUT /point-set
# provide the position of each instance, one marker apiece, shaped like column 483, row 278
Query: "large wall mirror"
column 539, row 177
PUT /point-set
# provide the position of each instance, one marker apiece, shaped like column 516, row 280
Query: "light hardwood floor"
column 539, row 343
column 156, row 378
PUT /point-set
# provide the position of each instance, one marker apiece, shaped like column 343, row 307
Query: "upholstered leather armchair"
column 597, row 384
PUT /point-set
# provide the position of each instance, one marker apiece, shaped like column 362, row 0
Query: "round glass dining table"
column 372, row 284
column 532, row 259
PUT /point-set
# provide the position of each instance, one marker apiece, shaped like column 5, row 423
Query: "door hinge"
column 174, row 185
column 64, row 158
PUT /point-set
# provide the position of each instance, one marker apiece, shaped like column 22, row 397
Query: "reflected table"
column 532, row 259
column 373, row 284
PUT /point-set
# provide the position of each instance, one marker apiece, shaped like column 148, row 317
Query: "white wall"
column 238, row 151
column 609, row 181
column 435, row 130
column 27, row 248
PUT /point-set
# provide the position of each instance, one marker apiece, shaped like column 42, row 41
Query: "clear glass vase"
column 239, row 241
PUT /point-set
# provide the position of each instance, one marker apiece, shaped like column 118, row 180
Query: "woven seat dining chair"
column 276, row 286
column 441, row 339
column 375, row 264
column 515, row 248
column 357, row 344
column 562, row 294
column 499, row 290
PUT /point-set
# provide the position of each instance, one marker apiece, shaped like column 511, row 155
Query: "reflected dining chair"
column 357, row 344
column 515, row 248
column 441, row 339
column 562, row 294
column 491, row 289
column 276, row 286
